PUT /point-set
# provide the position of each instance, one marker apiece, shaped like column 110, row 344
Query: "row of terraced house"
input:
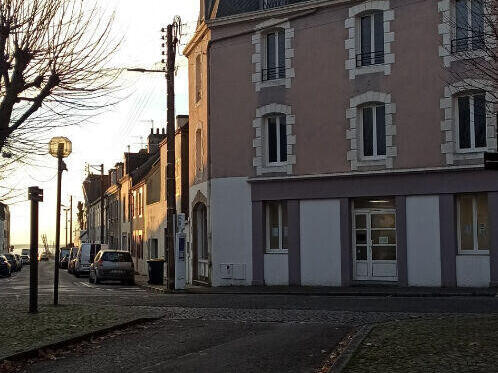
column 332, row 143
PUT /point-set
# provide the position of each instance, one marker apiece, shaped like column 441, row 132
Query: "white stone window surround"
column 449, row 125
column 354, row 133
column 352, row 44
column 259, row 141
column 447, row 29
column 258, row 58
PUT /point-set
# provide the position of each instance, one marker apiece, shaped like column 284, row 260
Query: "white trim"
column 352, row 44
column 259, row 141
column 447, row 30
column 258, row 57
column 354, row 133
column 449, row 126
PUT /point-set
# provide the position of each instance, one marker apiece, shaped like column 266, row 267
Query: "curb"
column 97, row 333
column 161, row 290
column 351, row 348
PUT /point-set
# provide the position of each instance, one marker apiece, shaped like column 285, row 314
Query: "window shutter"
column 480, row 121
column 283, row 139
column 464, row 122
column 281, row 54
column 379, row 37
column 367, row 131
column 380, row 116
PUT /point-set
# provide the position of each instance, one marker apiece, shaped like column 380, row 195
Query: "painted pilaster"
column 447, row 223
column 294, row 237
column 493, row 224
column 401, row 240
column 346, row 249
column 258, row 244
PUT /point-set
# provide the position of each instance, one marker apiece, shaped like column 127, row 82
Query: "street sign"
column 491, row 161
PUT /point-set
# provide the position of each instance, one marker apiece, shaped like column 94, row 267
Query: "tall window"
column 469, row 18
column 198, row 152
column 371, row 40
column 276, row 135
column 276, row 226
column 471, row 121
column 473, row 223
column 198, row 78
column 373, row 120
column 275, row 56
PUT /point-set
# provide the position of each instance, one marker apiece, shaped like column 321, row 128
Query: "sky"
column 108, row 136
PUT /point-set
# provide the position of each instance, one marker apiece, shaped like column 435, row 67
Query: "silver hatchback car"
column 112, row 265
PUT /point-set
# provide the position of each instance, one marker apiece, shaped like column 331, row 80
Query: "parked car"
column 11, row 258
column 86, row 256
column 5, row 267
column 25, row 259
column 73, row 253
column 112, row 265
column 64, row 258
column 19, row 261
column 43, row 257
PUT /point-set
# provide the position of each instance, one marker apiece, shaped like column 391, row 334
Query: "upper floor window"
column 471, row 121
column 373, row 130
column 274, row 61
column 473, row 224
column 276, row 139
column 198, row 152
column 469, row 24
column 198, row 78
column 371, row 40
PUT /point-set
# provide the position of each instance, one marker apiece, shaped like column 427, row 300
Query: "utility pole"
column 66, row 210
column 102, row 203
column 71, row 221
column 171, row 42
column 35, row 195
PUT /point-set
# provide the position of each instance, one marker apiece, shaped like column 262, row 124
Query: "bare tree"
column 472, row 50
column 53, row 55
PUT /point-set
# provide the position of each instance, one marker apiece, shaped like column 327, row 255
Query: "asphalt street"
column 223, row 332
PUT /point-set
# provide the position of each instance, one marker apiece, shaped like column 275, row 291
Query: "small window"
column 469, row 20
column 371, row 40
column 198, row 78
column 198, row 152
column 276, row 226
column 471, row 118
column 274, row 63
column 276, row 135
column 373, row 129
column 473, row 224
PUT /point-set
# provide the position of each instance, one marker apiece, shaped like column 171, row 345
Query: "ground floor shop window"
column 473, row 223
column 276, row 226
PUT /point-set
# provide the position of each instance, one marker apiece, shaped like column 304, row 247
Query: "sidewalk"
column 357, row 290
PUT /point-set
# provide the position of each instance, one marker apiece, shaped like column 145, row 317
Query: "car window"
column 116, row 257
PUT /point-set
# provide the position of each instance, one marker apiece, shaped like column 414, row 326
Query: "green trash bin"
column 156, row 271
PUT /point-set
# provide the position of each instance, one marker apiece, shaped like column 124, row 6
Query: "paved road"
column 224, row 333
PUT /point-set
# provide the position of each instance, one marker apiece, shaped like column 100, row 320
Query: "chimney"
column 163, row 131
column 157, row 131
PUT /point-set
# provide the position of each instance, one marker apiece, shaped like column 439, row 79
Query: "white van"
column 86, row 254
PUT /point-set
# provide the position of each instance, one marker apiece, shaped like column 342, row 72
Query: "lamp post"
column 35, row 195
column 60, row 148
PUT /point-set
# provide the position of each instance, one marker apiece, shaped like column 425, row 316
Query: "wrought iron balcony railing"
column 470, row 43
column 370, row 58
column 273, row 73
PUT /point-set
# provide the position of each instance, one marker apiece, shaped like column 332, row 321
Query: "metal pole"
column 57, row 230
column 71, row 221
column 170, row 144
column 33, row 252
column 102, row 203
column 66, row 210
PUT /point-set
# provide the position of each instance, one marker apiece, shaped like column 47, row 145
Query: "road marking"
column 85, row 284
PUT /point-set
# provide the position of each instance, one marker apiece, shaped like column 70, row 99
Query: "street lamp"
column 60, row 148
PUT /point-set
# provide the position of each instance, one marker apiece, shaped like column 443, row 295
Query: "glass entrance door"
column 374, row 245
